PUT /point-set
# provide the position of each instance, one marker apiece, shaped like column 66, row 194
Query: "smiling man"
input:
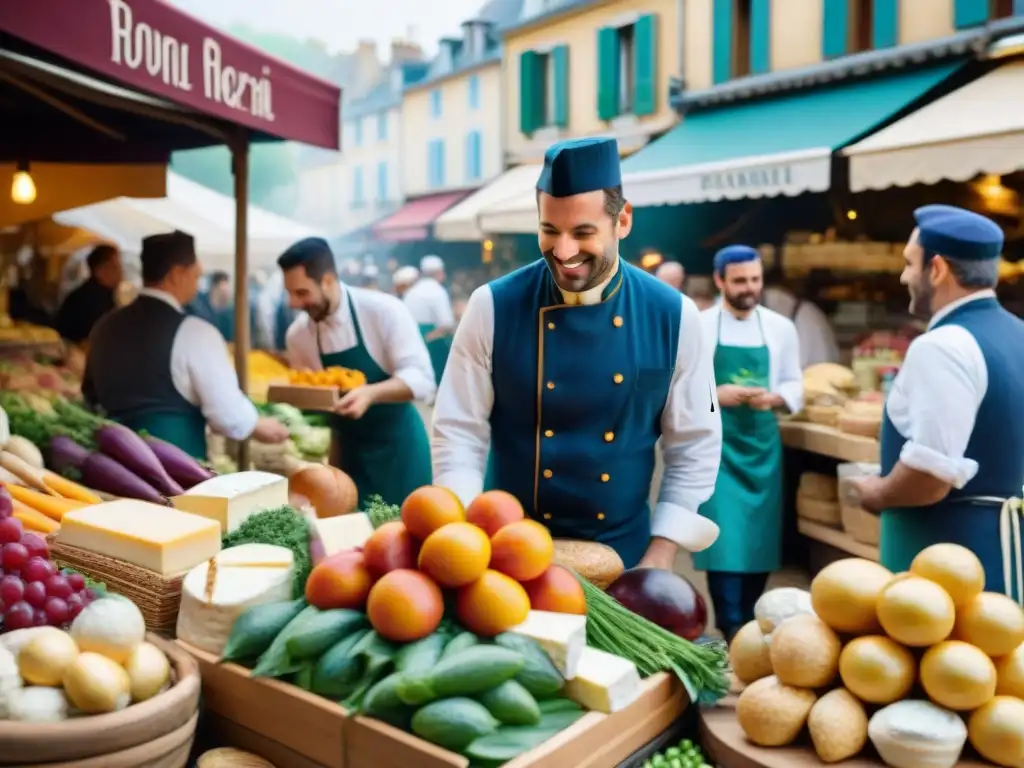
column 569, row 370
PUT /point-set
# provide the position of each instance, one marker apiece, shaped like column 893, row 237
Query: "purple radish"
column 66, row 454
column 179, row 465
column 126, row 447
column 105, row 474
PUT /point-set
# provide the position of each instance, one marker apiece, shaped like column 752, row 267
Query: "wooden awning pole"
column 240, row 168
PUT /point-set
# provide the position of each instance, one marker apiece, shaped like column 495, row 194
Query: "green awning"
column 769, row 147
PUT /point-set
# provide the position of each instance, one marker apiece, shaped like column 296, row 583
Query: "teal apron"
column 437, row 348
column 187, row 430
column 747, row 503
column 387, row 451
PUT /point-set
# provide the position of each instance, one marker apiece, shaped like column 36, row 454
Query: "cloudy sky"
column 341, row 23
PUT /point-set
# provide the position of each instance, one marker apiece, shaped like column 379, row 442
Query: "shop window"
column 627, row 73
column 741, row 38
column 1000, row 9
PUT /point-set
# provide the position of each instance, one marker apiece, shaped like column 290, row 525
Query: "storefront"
column 471, row 218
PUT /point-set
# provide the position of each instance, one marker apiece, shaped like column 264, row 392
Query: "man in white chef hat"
column 431, row 307
column 403, row 279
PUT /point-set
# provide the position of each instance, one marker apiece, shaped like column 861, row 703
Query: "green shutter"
column 607, row 73
column 560, row 62
column 1018, row 7
column 835, row 29
column 721, row 49
column 970, row 13
column 886, row 21
column 531, row 92
column 760, row 36
column 645, row 65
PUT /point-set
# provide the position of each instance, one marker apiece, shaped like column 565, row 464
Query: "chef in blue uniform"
column 564, row 374
column 952, row 448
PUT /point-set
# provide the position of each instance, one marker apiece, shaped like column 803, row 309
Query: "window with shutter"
column 531, row 91
column 645, row 65
column 885, row 23
column 760, row 36
column 559, row 114
column 608, row 73
column 970, row 13
column 721, row 44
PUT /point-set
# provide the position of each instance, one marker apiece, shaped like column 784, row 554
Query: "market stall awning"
column 768, row 147
column 462, row 222
column 151, row 46
column 413, row 220
column 978, row 128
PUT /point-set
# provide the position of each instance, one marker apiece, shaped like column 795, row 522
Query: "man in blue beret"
column 757, row 371
column 952, row 446
column 569, row 370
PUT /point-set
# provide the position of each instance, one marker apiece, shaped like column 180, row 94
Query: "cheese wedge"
column 603, row 682
column 563, row 636
column 150, row 536
column 233, row 499
column 215, row 593
column 344, row 531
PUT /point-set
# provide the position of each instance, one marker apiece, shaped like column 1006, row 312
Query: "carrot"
column 54, row 507
column 69, row 489
column 33, row 520
column 24, row 471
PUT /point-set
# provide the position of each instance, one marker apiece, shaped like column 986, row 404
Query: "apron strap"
column 355, row 325
column 760, row 327
column 1009, row 532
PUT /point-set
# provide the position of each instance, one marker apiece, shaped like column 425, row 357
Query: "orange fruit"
column 522, row 550
column 389, row 548
column 455, row 555
column 493, row 510
column 340, row 581
column 404, row 606
column 492, row 604
column 428, row 508
column 558, row 591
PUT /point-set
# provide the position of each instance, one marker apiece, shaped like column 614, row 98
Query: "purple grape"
column 14, row 556
column 77, row 581
column 57, row 611
column 35, row 594
column 12, row 590
column 18, row 616
column 75, row 605
column 36, row 545
column 58, row 586
column 11, row 530
column 6, row 504
column 36, row 569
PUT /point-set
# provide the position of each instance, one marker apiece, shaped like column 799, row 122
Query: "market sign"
column 152, row 47
column 751, row 180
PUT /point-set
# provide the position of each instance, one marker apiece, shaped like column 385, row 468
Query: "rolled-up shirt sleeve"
column 691, row 441
column 790, row 386
column 407, row 352
column 943, row 379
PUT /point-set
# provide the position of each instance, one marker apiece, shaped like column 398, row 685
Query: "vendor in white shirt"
column 152, row 367
column 403, row 279
column 431, row 306
column 382, row 441
column 757, row 372
column 569, row 370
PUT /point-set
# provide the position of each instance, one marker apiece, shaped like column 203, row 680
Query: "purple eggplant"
column 185, row 470
column 130, row 450
column 103, row 473
column 66, row 454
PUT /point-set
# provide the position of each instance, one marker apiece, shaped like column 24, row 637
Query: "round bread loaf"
column 597, row 563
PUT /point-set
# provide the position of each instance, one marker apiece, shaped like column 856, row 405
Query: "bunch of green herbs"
column 281, row 527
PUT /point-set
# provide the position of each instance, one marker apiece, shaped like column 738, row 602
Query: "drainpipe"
column 681, row 46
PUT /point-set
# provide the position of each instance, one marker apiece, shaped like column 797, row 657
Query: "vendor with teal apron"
column 431, row 306
column 565, row 373
column 157, row 370
column 757, row 372
column 952, row 447
column 379, row 435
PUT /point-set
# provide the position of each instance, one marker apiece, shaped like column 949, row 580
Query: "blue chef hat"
column 733, row 254
column 958, row 233
column 578, row 166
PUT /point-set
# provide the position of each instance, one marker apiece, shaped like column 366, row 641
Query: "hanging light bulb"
column 23, row 188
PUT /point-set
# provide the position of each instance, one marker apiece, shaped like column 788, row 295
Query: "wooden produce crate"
column 594, row 741
column 304, row 397
column 275, row 720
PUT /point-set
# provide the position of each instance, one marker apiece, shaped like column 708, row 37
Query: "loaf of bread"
column 814, row 485
column 597, row 563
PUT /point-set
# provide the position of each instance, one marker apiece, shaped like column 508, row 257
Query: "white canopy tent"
column 201, row 212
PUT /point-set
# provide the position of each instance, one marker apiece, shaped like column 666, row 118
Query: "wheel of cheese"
column 814, row 485
column 597, row 563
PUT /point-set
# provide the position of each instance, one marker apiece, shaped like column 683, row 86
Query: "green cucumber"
column 551, row 706
column 453, row 723
column 511, row 704
column 304, row 677
column 378, row 657
column 420, row 655
column 538, row 675
column 466, row 673
column 510, row 741
column 323, row 631
column 460, row 642
column 254, row 631
column 275, row 661
column 382, row 703
column 338, row 670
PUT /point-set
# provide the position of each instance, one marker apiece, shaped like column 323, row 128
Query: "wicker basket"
column 861, row 524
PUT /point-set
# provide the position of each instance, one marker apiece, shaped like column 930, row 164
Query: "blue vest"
column 997, row 444
column 578, row 397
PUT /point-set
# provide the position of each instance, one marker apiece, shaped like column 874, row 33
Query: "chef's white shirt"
column 691, row 430
column 785, row 377
column 390, row 334
column 818, row 342
column 203, row 375
column 429, row 303
column 934, row 399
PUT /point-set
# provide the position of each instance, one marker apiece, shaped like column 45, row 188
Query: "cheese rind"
column 563, row 636
column 243, row 576
column 603, row 682
column 233, row 499
column 150, row 536
column 344, row 531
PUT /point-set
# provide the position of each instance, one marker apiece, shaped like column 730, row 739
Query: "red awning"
column 412, row 221
column 155, row 48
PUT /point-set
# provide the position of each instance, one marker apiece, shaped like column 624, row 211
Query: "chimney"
column 368, row 65
column 450, row 47
column 474, row 34
column 405, row 50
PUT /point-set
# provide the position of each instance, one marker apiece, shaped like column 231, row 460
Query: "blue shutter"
column 478, row 154
column 560, row 65
column 474, row 91
column 645, row 65
column 1018, row 7
column 608, row 73
column 835, row 28
column 432, row 164
column 440, row 162
column 382, row 182
column 531, row 92
column 721, row 40
column 886, row 20
column 472, row 161
column 970, row 13
column 760, row 36
column 382, row 126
